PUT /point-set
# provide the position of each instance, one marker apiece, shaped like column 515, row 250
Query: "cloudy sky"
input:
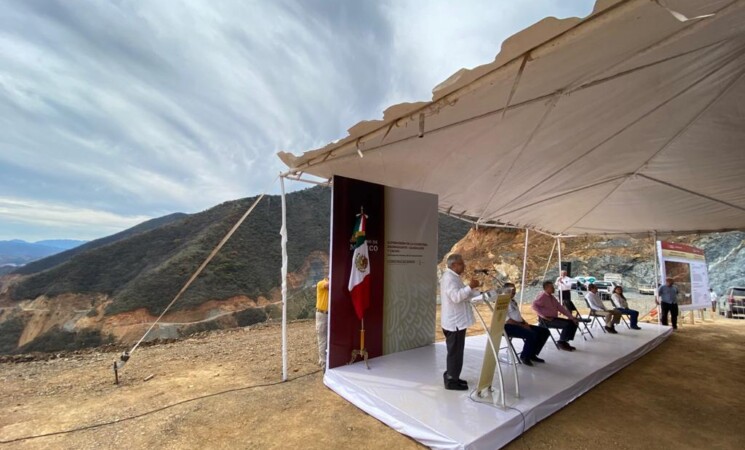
column 114, row 112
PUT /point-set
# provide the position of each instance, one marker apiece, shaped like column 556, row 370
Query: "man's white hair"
column 455, row 257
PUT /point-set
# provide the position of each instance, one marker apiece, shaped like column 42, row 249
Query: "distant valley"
column 16, row 252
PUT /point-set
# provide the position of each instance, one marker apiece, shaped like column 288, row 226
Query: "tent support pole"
column 525, row 265
column 283, row 233
column 656, row 274
column 548, row 263
column 558, row 244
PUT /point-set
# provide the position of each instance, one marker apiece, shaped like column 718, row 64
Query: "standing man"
column 611, row 316
column 456, row 317
column 668, row 300
column 713, row 297
column 548, row 308
column 564, row 284
column 322, row 319
column 515, row 326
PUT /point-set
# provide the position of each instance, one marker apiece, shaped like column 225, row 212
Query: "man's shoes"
column 636, row 327
column 611, row 330
column 527, row 362
column 453, row 385
column 565, row 346
column 537, row 359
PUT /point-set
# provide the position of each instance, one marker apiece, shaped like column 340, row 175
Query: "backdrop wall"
column 402, row 242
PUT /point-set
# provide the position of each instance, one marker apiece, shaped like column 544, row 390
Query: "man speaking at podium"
column 456, row 317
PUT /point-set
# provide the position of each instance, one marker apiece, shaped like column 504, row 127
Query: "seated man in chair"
column 611, row 316
column 548, row 308
column 516, row 327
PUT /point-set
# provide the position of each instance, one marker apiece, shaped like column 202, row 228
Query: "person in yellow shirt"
column 322, row 319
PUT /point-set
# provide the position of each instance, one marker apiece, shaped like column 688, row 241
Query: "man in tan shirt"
column 322, row 319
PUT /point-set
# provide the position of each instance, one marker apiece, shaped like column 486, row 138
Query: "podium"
column 498, row 304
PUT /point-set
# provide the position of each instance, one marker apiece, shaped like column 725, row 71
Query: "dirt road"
column 685, row 394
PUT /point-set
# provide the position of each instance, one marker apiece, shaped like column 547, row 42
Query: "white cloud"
column 138, row 108
column 79, row 223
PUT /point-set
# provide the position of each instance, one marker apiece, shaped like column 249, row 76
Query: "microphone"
column 484, row 271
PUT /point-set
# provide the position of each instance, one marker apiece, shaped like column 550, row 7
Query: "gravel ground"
column 686, row 394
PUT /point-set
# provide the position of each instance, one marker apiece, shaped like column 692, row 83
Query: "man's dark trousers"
column 566, row 295
column 567, row 327
column 672, row 308
column 535, row 338
column 455, row 341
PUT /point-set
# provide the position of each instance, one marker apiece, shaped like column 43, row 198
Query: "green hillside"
column 148, row 268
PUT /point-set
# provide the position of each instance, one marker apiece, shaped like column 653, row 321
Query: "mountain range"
column 17, row 252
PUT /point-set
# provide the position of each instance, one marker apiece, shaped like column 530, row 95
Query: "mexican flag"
column 359, row 277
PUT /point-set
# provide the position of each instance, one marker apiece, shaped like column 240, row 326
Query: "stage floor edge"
column 405, row 390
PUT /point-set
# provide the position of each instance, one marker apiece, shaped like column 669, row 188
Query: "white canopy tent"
column 631, row 120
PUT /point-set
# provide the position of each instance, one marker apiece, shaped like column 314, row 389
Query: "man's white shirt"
column 455, row 298
column 564, row 283
column 595, row 302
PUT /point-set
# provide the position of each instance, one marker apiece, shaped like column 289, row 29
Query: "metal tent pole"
column 558, row 242
column 656, row 275
column 548, row 263
column 283, row 233
column 525, row 265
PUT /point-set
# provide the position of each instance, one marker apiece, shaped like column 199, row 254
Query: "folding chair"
column 596, row 318
column 542, row 323
column 510, row 348
column 568, row 304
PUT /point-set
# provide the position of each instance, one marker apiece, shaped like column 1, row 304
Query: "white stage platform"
column 405, row 390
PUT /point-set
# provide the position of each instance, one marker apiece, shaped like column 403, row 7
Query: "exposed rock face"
column 72, row 321
column 725, row 256
column 502, row 250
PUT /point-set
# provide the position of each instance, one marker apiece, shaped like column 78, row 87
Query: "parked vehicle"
column 646, row 289
column 614, row 277
column 732, row 303
column 605, row 289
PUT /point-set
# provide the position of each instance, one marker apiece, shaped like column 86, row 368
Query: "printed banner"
column 410, row 270
column 686, row 265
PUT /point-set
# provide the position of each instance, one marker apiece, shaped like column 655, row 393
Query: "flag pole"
column 362, row 350
column 362, row 336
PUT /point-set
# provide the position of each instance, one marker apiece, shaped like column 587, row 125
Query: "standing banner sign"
column 686, row 265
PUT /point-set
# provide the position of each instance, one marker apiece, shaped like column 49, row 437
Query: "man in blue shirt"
column 668, row 300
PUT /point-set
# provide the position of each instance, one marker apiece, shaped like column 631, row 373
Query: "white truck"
column 615, row 278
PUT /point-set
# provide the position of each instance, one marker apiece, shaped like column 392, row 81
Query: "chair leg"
column 623, row 319
column 551, row 335
column 587, row 330
column 597, row 319
column 512, row 349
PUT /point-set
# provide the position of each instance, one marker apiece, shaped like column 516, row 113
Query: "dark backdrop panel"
column 344, row 326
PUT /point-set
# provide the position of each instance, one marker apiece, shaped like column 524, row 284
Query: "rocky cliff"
column 502, row 250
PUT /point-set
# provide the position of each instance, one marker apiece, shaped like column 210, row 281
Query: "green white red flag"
column 359, row 277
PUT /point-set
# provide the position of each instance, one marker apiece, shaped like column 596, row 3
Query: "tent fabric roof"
column 627, row 121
